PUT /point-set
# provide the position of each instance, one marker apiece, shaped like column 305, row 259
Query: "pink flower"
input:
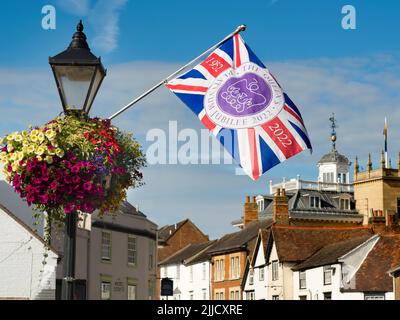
column 75, row 169
column 68, row 208
column 75, row 179
column 87, row 186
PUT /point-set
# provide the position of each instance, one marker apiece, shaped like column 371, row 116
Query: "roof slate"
column 240, row 239
column 185, row 253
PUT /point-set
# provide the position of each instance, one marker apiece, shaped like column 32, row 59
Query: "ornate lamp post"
column 78, row 75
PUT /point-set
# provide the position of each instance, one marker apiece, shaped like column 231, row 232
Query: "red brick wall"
column 227, row 283
column 186, row 234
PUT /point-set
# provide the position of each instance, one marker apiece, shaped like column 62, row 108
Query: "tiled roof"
column 240, row 239
column 296, row 244
column 167, row 231
column 373, row 273
column 331, row 253
column 185, row 253
column 202, row 255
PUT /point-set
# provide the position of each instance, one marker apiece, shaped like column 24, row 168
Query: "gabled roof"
column 373, row 276
column 296, row 244
column 27, row 228
column 185, row 253
column 241, row 240
column 262, row 240
column 330, row 253
column 167, row 231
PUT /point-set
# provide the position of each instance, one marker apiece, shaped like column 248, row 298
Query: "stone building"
column 377, row 191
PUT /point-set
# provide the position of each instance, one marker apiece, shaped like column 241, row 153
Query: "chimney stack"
column 250, row 212
column 280, row 213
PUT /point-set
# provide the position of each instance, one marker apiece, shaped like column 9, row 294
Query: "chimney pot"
column 283, row 192
column 278, row 192
column 247, row 199
column 254, row 199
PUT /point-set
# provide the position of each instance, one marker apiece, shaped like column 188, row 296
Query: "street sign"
column 167, row 287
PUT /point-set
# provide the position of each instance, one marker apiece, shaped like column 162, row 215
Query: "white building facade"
column 23, row 276
column 191, row 282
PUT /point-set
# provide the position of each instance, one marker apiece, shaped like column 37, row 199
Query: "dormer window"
column 315, row 202
column 344, row 204
column 260, row 204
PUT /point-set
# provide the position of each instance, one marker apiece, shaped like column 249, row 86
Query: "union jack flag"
column 242, row 104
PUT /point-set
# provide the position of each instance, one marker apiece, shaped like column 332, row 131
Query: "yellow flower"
column 60, row 153
column 40, row 151
column 34, row 138
column 1, row 140
column 14, row 166
column 40, row 137
column 18, row 138
column 49, row 159
column 34, row 132
column 20, row 156
column 50, row 134
column 39, row 158
column 10, row 137
column 31, row 149
column 10, row 148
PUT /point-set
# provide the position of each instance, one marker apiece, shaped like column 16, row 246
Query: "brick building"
column 172, row 238
column 229, row 256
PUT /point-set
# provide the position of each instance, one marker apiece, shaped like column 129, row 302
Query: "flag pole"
column 164, row 81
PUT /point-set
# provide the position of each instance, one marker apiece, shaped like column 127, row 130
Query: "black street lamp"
column 78, row 74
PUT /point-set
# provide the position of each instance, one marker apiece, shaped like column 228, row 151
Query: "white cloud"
column 103, row 17
column 361, row 91
column 75, row 7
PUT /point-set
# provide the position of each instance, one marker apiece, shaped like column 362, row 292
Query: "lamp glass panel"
column 74, row 84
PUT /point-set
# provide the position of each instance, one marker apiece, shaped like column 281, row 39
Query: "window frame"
column 104, row 282
column 135, row 255
column 102, row 244
column 275, row 270
column 327, row 269
column 302, row 280
column 261, row 274
column 251, row 276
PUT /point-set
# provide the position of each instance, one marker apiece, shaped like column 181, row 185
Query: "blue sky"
column 325, row 69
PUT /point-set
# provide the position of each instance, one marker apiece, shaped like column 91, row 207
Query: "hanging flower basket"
column 72, row 165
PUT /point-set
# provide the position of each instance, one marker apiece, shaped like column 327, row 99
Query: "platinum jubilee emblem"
column 244, row 97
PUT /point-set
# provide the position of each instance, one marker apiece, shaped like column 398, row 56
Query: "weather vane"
column 333, row 126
